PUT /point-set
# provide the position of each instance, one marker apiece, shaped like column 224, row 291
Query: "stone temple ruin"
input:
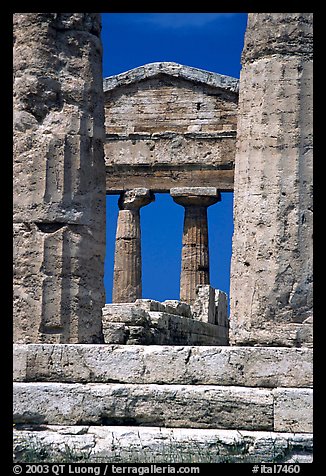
column 140, row 380
column 179, row 139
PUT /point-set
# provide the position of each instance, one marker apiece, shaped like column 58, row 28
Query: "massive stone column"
column 271, row 275
column 127, row 278
column 59, row 178
column 195, row 251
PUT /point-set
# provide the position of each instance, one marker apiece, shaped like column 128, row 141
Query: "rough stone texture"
column 177, row 307
column 127, row 277
column 168, row 329
column 178, row 117
column 293, row 409
column 289, row 335
column 185, row 406
column 271, row 273
column 175, row 70
column 161, row 445
column 59, row 178
column 195, row 251
column 245, row 366
column 221, row 308
column 138, row 325
column 204, row 305
column 127, row 313
column 211, row 306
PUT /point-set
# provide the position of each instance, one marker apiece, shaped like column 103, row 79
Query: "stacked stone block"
column 171, row 322
column 71, row 394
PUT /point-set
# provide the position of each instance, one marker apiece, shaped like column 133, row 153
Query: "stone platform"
column 123, row 402
column 134, row 444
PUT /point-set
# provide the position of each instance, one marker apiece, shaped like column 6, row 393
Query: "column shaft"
column 195, row 254
column 271, row 271
column 59, row 178
column 195, row 258
column 127, row 278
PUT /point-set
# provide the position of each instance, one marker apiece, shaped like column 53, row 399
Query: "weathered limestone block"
column 127, row 278
column 139, row 335
column 211, row 306
column 129, row 444
column 202, row 365
column 271, row 271
column 178, row 308
column 126, row 324
column 115, row 333
column 59, row 178
column 221, row 308
column 186, row 406
column 293, row 410
column 142, row 326
column 171, row 329
column 304, row 333
column 292, row 335
column 169, row 306
column 203, row 307
column 126, row 313
column 150, row 305
column 54, row 280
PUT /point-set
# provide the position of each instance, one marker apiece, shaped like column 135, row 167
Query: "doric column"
column 127, row 279
column 195, row 254
column 59, row 178
column 271, row 271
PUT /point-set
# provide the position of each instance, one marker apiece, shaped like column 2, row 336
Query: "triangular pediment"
column 173, row 70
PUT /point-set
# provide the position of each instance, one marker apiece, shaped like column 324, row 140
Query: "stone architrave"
column 271, row 272
column 127, row 278
column 59, row 178
column 195, row 252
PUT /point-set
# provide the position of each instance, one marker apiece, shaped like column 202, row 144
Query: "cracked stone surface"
column 247, row 366
column 187, row 406
column 167, row 445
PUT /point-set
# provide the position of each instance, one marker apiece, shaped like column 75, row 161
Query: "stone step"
column 127, row 444
column 188, row 406
column 202, row 365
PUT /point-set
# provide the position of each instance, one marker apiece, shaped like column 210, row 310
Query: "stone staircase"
column 138, row 403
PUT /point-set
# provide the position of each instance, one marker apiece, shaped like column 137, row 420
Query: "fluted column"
column 272, row 254
column 59, row 178
column 195, row 251
column 127, row 279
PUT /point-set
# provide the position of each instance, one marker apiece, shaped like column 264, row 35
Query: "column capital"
column 195, row 196
column 135, row 199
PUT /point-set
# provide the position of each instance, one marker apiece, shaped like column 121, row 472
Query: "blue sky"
column 210, row 41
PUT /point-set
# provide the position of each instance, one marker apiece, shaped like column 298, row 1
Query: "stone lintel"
column 162, row 178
